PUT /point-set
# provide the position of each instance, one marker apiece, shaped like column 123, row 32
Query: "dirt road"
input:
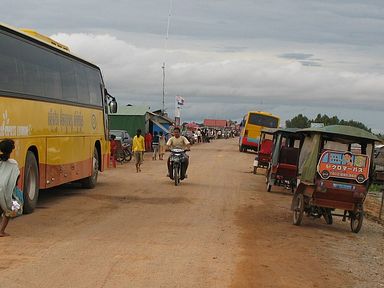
column 220, row 228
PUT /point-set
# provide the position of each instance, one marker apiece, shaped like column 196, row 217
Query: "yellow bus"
column 251, row 126
column 54, row 106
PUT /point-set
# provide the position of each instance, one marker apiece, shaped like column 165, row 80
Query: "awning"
column 160, row 126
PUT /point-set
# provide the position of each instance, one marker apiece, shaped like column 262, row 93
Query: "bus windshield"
column 263, row 120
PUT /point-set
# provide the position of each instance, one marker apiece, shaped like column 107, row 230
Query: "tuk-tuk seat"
column 286, row 170
column 266, row 147
column 289, row 155
column 287, row 166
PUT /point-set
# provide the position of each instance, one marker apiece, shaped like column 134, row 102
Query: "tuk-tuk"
column 264, row 150
column 285, row 156
column 334, row 172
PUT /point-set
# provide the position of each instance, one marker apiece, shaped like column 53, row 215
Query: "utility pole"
column 163, row 67
column 165, row 50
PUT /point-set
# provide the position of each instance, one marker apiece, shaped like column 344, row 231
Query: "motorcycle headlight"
column 174, row 159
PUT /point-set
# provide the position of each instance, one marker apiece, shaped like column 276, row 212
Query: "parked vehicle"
column 53, row 105
column 284, row 159
column 177, row 161
column 124, row 145
column 378, row 161
column 122, row 135
column 331, row 176
column 251, row 126
column 264, row 152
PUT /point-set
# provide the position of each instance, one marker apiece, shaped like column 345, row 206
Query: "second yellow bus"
column 251, row 126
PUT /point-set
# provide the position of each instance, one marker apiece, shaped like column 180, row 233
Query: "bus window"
column 52, row 80
column 82, row 84
column 68, row 80
column 10, row 78
column 95, row 84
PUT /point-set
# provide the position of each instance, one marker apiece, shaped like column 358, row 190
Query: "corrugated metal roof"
column 131, row 110
column 166, row 118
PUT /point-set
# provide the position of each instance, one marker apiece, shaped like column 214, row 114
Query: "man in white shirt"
column 180, row 142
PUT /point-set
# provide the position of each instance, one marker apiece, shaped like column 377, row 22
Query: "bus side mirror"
column 113, row 106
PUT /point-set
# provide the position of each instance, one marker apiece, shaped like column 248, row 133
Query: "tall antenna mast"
column 163, row 67
column 165, row 49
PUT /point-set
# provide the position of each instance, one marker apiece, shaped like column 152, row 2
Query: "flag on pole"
column 179, row 100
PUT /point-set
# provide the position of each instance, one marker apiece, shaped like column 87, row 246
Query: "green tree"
column 355, row 124
column 326, row 120
column 298, row 121
column 301, row 121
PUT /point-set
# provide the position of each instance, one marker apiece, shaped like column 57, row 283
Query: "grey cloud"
column 226, row 56
column 297, row 56
column 310, row 63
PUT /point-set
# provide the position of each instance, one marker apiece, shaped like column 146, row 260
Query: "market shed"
column 129, row 118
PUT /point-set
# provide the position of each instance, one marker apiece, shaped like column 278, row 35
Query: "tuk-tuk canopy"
column 342, row 130
column 287, row 130
column 268, row 130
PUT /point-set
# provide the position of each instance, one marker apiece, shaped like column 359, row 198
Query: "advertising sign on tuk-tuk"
column 343, row 164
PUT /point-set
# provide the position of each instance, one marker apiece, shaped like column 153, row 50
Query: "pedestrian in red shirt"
column 148, row 142
column 113, row 150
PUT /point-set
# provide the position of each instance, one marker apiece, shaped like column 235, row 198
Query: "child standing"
column 161, row 145
column 9, row 172
column 155, row 145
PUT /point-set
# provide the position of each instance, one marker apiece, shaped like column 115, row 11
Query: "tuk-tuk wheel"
column 357, row 221
column 298, row 209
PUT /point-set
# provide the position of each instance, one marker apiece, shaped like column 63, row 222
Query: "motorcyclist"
column 180, row 142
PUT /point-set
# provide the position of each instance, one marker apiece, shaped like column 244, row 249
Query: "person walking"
column 9, row 173
column 161, row 145
column 138, row 148
column 113, row 145
column 199, row 136
column 148, row 142
column 155, row 145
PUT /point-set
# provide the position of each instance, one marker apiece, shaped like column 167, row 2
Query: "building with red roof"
column 215, row 123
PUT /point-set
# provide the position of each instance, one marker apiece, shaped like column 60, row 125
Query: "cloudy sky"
column 226, row 57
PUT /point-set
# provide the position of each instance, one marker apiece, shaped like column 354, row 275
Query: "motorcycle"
column 176, row 162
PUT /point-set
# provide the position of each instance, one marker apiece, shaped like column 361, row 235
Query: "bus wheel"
column 90, row 182
column 31, row 183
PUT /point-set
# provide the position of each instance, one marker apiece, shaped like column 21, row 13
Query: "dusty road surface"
column 220, row 228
